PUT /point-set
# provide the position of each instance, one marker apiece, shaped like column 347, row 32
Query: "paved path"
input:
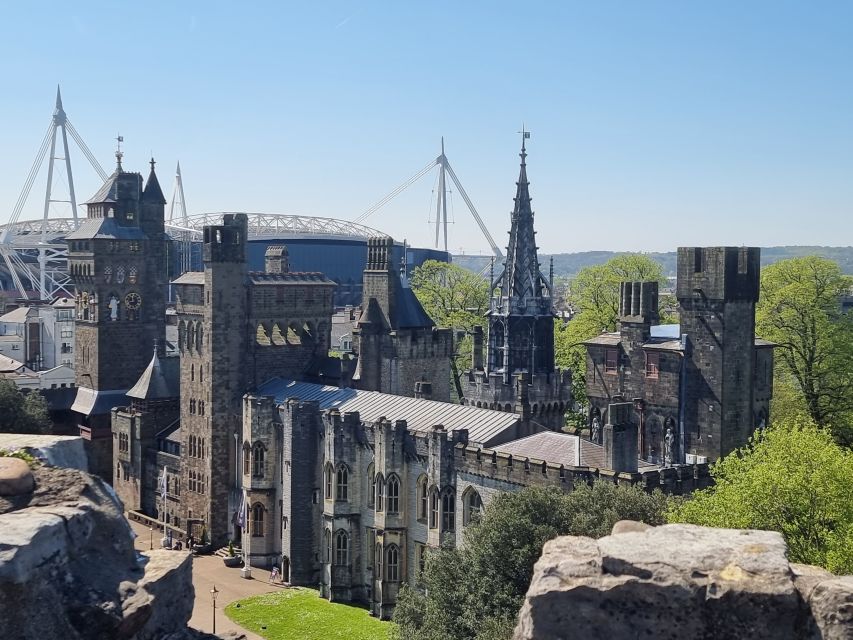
column 207, row 571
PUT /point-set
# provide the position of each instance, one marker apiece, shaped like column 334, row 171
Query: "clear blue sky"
column 655, row 124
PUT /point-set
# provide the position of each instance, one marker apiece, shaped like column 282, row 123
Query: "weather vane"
column 119, row 154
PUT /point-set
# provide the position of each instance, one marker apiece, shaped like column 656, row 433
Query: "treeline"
column 569, row 264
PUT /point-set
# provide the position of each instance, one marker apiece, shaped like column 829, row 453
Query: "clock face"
column 132, row 300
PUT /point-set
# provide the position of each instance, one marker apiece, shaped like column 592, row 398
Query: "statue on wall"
column 113, row 305
column 668, row 447
column 595, row 435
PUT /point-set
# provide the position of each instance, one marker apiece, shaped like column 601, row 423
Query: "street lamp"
column 213, row 594
column 151, row 538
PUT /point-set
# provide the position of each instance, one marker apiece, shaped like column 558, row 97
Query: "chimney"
column 276, row 260
column 638, row 307
column 423, row 390
column 620, row 438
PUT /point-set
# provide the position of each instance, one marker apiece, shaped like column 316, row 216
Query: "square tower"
column 717, row 290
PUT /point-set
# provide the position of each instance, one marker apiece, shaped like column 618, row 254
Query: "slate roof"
column 290, row 277
column 152, row 191
column 104, row 229
column 408, row 312
column 159, row 381
column 9, row 365
column 560, row 448
column 92, row 403
column 18, row 315
column 484, row 425
column 190, row 277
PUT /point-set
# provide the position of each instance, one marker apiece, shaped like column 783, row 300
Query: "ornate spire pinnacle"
column 119, row 154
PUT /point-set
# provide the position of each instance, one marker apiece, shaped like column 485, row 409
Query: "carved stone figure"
column 668, row 446
column 595, row 436
column 113, row 305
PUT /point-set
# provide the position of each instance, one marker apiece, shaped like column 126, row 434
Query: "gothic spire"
column 153, row 193
column 522, row 281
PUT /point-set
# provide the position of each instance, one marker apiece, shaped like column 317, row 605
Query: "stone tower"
column 519, row 373
column 717, row 291
column 397, row 343
column 117, row 258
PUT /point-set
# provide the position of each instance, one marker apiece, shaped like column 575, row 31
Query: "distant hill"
column 568, row 264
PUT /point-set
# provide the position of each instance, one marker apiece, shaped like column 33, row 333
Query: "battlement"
column 525, row 471
column 226, row 242
column 719, row 273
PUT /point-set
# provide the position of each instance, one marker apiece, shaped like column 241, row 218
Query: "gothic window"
column 330, row 479
column 247, row 459
column 258, row 520
column 182, row 333
column 611, row 357
column 448, row 511
column 199, row 338
column 423, row 498
column 190, row 335
column 341, row 548
column 371, row 481
column 258, row 461
column 433, row 508
column 132, row 275
column 108, row 274
column 201, row 373
column 652, row 364
column 192, row 372
column 371, row 544
column 378, row 556
column 472, row 505
column 393, row 490
column 120, row 275
column 380, row 492
column 392, row 564
column 343, row 483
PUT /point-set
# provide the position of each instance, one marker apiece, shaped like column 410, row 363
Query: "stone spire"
column 521, row 282
column 153, row 193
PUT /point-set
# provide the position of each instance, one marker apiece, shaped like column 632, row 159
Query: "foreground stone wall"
column 681, row 581
column 68, row 568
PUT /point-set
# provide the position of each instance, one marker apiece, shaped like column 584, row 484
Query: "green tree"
column 792, row 478
column 593, row 294
column 800, row 311
column 21, row 413
column 453, row 297
column 475, row 592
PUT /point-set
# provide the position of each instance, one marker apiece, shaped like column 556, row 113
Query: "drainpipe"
column 682, row 395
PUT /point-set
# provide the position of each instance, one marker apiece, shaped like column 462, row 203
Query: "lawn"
column 301, row 614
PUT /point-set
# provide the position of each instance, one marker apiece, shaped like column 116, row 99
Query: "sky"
column 654, row 124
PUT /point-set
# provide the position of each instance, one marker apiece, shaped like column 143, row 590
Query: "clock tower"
column 117, row 258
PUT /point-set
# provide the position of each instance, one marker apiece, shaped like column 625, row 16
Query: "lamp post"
column 213, row 594
column 151, row 538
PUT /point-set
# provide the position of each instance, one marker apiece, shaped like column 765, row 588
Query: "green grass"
column 301, row 614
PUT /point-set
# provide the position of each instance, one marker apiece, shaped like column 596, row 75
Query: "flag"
column 241, row 512
column 163, row 484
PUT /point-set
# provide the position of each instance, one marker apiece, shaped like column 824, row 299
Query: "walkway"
column 207, row 571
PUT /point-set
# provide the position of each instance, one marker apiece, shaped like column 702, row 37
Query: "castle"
column 700, row 388
column 342, row 472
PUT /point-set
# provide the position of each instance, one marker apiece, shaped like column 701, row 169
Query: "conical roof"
column 153, row 193
column 159, row 381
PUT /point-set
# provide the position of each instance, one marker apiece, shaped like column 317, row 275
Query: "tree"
column 800, row 310
column 475, row 592
column 594, row 296
column 21, row 413
column 792, row 478
column 453, row 297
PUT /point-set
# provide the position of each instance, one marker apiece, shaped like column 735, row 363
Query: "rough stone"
column 68, row 568
column 629, row 526
column 831, row 604
column 674, row 581
column 15, row 477
column 57, row 451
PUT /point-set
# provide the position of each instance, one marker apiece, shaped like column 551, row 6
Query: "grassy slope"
column 300, row 614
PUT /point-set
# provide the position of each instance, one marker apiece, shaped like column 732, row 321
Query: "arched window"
column 342, row 483
column 258, row 461
column 199, row 338
column 378, row 555
column 433, row 508
column 380, row 491
column 190, row 335
column 258, row 520
column 192, row 372
column 182, row 335
column 327, row 546
column 392, row 563
column 448, row 511
column 393, row 489
column 201, row 373
column 472, row 506
column 247, row 459
column 330, row 479
column 371, row 485
column 341, row 548
column 423, row 498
